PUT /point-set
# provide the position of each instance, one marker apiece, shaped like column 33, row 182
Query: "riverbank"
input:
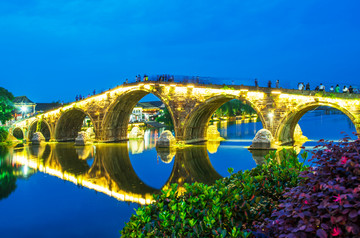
column 229, row 207
column 324, row 199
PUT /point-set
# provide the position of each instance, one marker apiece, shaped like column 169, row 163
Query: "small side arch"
column 43, row 126
column 18, row 133
column 196, row 123
column 285, row 131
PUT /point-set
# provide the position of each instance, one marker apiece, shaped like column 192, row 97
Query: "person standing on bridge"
column 277, row 83
column 322, row 87
column 307, row 86
column 345, row 89
column 337, row 88
column 269, row 84
column 301, row 86
column 256, row 83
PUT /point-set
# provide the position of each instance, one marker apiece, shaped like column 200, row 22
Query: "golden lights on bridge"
column 202, row 93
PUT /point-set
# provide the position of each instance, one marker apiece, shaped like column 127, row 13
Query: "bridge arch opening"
column 71, row 122
column 314, row 122
column 41, row 126
column 196, row 125
column 128, row 109
column 18, row 133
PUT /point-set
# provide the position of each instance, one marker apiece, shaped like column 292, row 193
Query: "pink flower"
column 343, row 160
column 335, row 231
column 338, row 199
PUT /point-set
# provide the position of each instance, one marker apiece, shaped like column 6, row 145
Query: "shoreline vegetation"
column 280, row 198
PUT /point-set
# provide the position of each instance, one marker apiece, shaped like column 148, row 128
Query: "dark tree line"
column 6, row 105
column 234, row 108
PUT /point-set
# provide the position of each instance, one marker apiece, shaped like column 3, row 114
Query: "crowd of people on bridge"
column 165, row 78
column 321, row 88
column 158, row 78
column 277, row 83
column 81, row 97
column 171, row 78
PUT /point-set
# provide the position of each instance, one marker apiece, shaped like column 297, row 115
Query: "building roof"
column 22, row 100
column 151, row 105
column 43, row 107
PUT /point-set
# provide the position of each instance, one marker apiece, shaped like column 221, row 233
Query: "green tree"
column 7, row 177
column 234, row 108
column 6, row 105
column 3, row 134
column 165, row 117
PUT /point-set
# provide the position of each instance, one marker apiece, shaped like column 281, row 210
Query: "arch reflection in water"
column 112, row 172
column 138, row 145
column 191, row 165
column 259, row 155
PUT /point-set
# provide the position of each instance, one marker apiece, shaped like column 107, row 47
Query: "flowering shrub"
column 229, row 208
column 327, row 201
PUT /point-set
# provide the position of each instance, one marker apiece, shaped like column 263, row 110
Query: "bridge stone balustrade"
column 190, row 106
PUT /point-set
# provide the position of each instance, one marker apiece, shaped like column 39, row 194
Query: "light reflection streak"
column 22, row 158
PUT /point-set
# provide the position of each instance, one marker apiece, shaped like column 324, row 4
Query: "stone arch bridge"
column 190, row 106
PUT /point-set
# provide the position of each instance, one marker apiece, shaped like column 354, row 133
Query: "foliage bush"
column 229, row 208
column 3, row 134
column 165, row 118
column 234, row 108
column 327, row 201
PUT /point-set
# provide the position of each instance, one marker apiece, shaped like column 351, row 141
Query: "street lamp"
column 23, row 109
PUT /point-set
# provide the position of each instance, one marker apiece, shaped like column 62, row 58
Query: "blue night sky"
column 54, row 49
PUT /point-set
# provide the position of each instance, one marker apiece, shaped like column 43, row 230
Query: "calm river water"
column 60, row 190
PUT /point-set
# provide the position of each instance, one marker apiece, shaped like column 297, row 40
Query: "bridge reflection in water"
column 107, row 168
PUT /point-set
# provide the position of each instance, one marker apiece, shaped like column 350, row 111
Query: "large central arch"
column 115, row 123
column 285, row 132
column 196, row 123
